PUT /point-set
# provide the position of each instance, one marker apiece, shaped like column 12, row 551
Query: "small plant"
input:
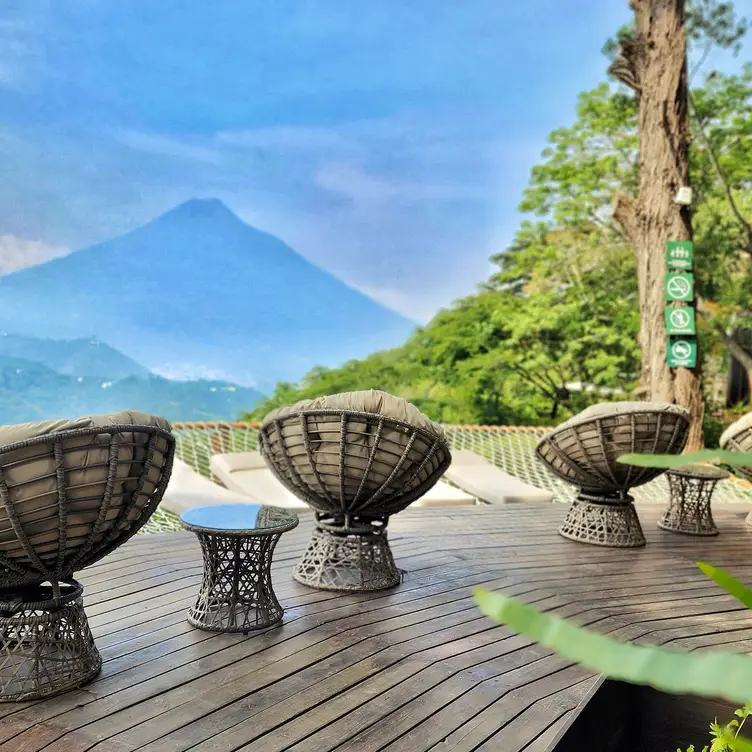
column 718, row 734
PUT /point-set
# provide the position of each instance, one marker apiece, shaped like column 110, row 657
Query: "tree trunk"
column 658, row 59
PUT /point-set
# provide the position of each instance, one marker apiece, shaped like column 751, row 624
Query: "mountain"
column 31, row 391
column 79, row 357
column 199, row 292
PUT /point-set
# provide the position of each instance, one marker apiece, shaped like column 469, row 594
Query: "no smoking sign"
column 679, row 287
column 680, row 320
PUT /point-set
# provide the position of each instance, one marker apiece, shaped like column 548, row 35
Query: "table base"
column 46, row 646
column 236, row 594
column 353, row 563
column 603, row 521
column 688, row 511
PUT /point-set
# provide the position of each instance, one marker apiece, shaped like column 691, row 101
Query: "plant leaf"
column 669, row 461
column 736, row 743
column 710, row 674
column 730, row 584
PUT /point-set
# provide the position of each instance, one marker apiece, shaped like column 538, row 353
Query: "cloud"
column 168, row 146
column 17, row 253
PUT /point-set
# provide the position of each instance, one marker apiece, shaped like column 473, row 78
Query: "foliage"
column 668, row 461
column 706, row 673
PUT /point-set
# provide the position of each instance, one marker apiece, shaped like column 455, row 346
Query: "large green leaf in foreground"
column 669, row 461
column 711, row 674
column 730, row 584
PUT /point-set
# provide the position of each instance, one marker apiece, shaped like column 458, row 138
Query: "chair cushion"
column 613, row 409
column 371, row 401
column 306, row 455
column 30, row 474
column 734, row 433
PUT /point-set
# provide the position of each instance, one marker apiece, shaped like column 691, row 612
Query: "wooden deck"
column 416, row 668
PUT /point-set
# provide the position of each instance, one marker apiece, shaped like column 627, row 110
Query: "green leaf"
column 736, row 743
column 710, row 674
column 708, row 456
column 731, row 585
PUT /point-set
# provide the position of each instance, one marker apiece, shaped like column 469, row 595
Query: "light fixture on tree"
column 684, row 196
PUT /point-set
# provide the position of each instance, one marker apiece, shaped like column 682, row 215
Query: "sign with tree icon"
column 679, row 287
column 680, row 320
column 679, row 254
column 682, row 353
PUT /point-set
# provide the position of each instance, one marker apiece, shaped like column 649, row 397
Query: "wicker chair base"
column 352, row 563
column 603, row 522
column 236, row 594
column 46, row 646
column 689, row 511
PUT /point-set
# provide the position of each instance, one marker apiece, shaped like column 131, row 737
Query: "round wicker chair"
column 584, row 450
column 70, row 492
column 355, row 458
column 738, row 438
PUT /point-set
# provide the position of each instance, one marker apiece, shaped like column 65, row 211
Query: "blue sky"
column 387, row 141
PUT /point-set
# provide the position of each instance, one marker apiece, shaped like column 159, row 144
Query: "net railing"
column 510, row 448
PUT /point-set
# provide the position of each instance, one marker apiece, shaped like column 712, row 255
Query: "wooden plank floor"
column 408, row 670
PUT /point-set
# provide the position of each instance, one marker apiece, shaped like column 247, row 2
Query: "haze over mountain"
column 198, row 293
column 42, row 379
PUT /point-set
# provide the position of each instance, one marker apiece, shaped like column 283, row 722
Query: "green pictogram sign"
column 682, row 353
column 679, row 254
column 679, row 286
column 680, row 320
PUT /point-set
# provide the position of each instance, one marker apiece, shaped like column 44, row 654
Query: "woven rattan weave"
column 46, row 646
column 67, row 499
column 355, row 469
column 584, row 452
column 237, row 543
column 738, row 438
column 689, row 509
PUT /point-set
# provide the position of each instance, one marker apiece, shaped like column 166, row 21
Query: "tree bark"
column 652, row 218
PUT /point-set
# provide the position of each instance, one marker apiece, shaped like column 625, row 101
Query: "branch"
column 721, row 176
column 625, row 212
column 736, row 350
column 624, row 67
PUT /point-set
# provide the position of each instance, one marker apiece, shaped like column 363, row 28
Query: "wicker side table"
column 237, row 542
column 689, row 510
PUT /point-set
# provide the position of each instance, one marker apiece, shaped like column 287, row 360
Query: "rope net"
column 510, row 448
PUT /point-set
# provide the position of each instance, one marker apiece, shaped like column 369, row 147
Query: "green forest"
column 555, row 327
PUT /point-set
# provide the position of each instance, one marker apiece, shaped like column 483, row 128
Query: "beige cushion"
column 370, row 401
column 612, row 409
column 318, row 479
column 486, row 481
column 31, row 476
column 734, row 433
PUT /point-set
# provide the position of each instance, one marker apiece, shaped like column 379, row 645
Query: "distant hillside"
column 30, row 391
column 80, row 357
column 198, row 293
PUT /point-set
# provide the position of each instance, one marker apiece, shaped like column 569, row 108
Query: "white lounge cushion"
column 188, row 489
column 247, row 473
column 475, row 475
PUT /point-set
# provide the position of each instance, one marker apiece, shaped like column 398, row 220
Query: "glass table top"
column 249, row 519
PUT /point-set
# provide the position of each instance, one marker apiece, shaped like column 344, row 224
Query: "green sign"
column 679, row 254
column 680, row 320
column 681, row 353
column 679, row 286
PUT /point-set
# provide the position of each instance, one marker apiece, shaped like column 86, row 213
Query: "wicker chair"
column 70, row 492
column 738, row 438
column 583, row 451
column 356, row 459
